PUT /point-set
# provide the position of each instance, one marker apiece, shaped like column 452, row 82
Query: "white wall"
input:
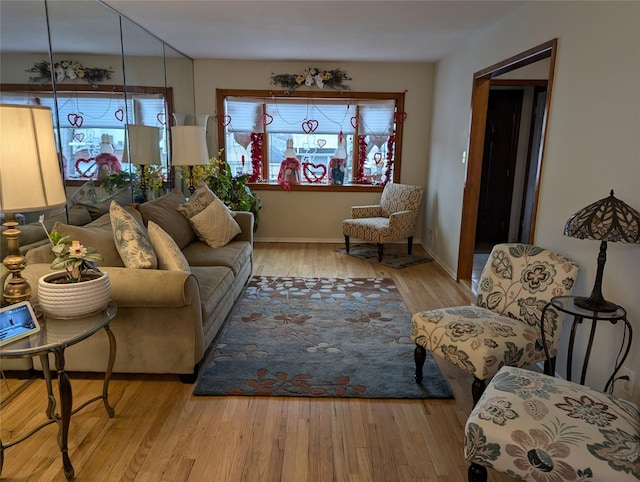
column 317, row 216
column 593, row 145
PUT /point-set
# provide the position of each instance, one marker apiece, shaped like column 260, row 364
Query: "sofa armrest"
column 245, row 221
column 152, row 288
column 139, row 288
column 371, row 211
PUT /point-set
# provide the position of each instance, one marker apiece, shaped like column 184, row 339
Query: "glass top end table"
column 54, row 337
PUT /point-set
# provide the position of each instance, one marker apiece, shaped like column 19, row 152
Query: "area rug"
column 394, row 256
column 319, row 337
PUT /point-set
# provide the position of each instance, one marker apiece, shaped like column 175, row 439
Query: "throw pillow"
column 131, row 240
column 99, row 237
column 85, row 194
column 202, row 197
column 164, row 212
column 215, row 224
column 169, row 255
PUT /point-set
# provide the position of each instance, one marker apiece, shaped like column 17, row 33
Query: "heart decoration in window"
column 79, row 137
column 400, row 117
column 75, row 120
column 309, row 126
column 119, row 114
column 314, row 173
column 161, row 118
column 86, row 167
column 267, row 119
column 225, row 120
column 377, row 157
column 321, row 143
column 355, row 121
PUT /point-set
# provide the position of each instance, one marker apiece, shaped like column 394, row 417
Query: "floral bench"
column 535, row 427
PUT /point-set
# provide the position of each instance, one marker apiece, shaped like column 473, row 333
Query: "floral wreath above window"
column 333, row 79
column 68, row 69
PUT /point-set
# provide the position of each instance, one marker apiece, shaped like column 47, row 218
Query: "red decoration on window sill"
column 256, row 157
column 314, row 173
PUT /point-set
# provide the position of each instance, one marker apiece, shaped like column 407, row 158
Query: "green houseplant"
column 233, row 191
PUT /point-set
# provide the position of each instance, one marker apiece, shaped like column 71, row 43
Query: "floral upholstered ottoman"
column 535, row 427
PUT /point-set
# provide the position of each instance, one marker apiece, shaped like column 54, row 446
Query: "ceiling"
column 322, row 30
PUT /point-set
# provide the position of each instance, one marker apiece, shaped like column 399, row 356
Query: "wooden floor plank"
column 161, row 432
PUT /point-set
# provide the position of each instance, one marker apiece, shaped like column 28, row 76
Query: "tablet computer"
column 17, row 321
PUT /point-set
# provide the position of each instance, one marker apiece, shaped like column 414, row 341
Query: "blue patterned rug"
column 393, row 256
column 318, row 337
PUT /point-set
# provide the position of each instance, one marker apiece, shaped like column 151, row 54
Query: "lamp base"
column 599, row 306
column 17, row 289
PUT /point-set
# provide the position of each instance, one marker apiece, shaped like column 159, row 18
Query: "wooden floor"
column 163, row 433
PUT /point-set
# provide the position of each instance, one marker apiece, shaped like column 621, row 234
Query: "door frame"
column 479, row 105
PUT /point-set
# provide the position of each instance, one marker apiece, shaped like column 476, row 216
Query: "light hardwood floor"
column 163, row 433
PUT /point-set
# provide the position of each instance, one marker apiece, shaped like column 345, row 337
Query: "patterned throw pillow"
column 169, row 255
column 202, row 197
column 215, row 224
column 85, row 194
column 131, row 240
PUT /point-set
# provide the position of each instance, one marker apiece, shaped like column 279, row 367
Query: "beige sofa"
column 166, row 319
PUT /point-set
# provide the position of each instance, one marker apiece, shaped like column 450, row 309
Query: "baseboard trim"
column 449, row 271
column 257, row 239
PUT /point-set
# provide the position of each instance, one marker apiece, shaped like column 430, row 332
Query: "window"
column 94, row 123
column 257, row 127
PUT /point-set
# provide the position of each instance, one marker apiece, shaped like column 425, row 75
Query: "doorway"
column 475, row 214
column 498, row 167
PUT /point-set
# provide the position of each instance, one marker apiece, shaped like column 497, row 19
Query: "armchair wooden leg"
column 419, row 355
column 477, row 389
column 476, row 473
column 380, row 248
column 410, row 245
column 346, row 243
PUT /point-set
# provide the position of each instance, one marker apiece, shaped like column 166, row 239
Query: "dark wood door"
column 498, row 166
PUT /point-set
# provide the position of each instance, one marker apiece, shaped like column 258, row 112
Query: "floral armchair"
column 394, row 218
column 535, row 427
column 503, row 328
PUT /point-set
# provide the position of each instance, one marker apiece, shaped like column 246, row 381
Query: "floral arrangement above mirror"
column 68, row 69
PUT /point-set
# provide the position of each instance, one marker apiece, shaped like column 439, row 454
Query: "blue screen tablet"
column 17, row 321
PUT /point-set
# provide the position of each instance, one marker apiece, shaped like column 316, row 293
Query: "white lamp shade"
column 143, row 143
column 30, row 178
column 189, row 146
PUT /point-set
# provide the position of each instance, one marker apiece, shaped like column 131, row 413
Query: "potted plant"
column 233, row 191
column 153, row 181
column 78, row 287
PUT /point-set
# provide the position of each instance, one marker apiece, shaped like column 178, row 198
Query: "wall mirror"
column 109, row 74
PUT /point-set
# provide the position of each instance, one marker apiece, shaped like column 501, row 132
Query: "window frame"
column 398, row 97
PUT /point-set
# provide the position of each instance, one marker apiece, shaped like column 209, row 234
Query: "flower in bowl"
column 77, row 260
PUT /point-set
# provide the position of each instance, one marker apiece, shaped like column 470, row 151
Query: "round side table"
column 54, row 337
column 566, row 305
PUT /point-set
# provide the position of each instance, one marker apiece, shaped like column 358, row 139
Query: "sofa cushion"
column 105, row 219
column 234, row 255
column 131, row 240
column 169, row 255
column 214, row 282
column 164, row 212
column 201, row 198
column 215, row 224
column 99, row 237
column 101, row 207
